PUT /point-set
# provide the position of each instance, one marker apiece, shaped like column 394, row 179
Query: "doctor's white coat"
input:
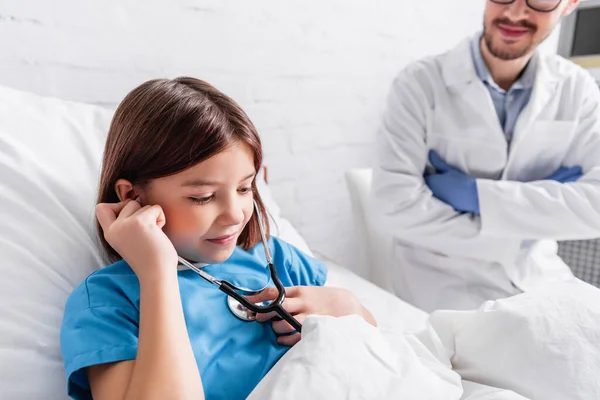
column 446, row 259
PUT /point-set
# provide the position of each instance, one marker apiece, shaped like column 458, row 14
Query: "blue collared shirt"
column 508, row 104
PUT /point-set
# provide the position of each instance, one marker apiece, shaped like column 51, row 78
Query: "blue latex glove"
column 566, row 174
column 452, row 186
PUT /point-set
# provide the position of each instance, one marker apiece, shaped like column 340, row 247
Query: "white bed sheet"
column 390, row 312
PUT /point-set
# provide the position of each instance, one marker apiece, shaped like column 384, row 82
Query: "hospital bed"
column 50, row 152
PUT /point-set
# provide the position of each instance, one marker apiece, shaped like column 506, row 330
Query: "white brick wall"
column 313, row 75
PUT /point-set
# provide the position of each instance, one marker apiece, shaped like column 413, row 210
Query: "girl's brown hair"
column 165, row 126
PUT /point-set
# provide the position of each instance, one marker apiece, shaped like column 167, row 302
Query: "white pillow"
column 50, row 154
column 543, row 344
column 280, row 227
column 49, row 162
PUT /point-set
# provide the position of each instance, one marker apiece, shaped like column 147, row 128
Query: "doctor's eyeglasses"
column 535, row 5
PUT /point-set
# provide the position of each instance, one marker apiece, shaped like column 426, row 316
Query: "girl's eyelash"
column 201, row 200
column 204, row 200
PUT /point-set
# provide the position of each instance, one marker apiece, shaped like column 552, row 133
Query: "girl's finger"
column 107, row 213
column 293, row 306
column 294, row 291
column 269, row 294
column 266, row 317
column 130, row 208
column 289, row 340
column 283, row 327
column 152, row 214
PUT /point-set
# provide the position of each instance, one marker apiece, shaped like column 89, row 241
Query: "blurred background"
column 312, row 75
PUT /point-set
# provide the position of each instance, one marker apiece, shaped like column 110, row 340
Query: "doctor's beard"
column 508, row 54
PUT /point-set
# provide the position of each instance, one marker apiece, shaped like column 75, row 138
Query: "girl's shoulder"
column 292, row 263
column 113, row 286
column 280, row 249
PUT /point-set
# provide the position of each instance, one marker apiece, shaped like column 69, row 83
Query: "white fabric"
column 539, row 345
column 49, row 165
column 450, row 260
column 391, row 313
column 477, row 391
column 280, row 226
column 50, row 154
column 374, row 256
column 543, row 344
column 346, row 358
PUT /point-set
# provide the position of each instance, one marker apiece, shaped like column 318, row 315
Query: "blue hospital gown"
column 101, row 320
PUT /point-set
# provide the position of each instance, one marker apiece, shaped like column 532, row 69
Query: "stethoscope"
column 241, row 307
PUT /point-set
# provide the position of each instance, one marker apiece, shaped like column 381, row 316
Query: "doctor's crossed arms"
column 487, row 155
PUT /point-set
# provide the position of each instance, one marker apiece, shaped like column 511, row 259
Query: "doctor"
column 488, row 154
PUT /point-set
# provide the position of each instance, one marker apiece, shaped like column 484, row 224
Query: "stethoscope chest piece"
column 240, row 311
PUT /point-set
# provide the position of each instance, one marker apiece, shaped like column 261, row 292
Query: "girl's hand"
column 302, row 301
column 135, row 232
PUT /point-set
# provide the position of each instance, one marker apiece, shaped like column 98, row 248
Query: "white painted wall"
column 313, row 75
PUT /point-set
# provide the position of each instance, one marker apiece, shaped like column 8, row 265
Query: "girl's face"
column 208, row 205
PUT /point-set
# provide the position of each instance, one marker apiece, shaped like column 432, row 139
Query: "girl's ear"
column 125, row 190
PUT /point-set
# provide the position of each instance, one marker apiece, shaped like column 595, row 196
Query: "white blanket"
column 345, row 358
column 544, row 344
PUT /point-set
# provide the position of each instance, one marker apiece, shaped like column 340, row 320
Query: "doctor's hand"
column 452, row 186
column 302, row 301
column 135, row 232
